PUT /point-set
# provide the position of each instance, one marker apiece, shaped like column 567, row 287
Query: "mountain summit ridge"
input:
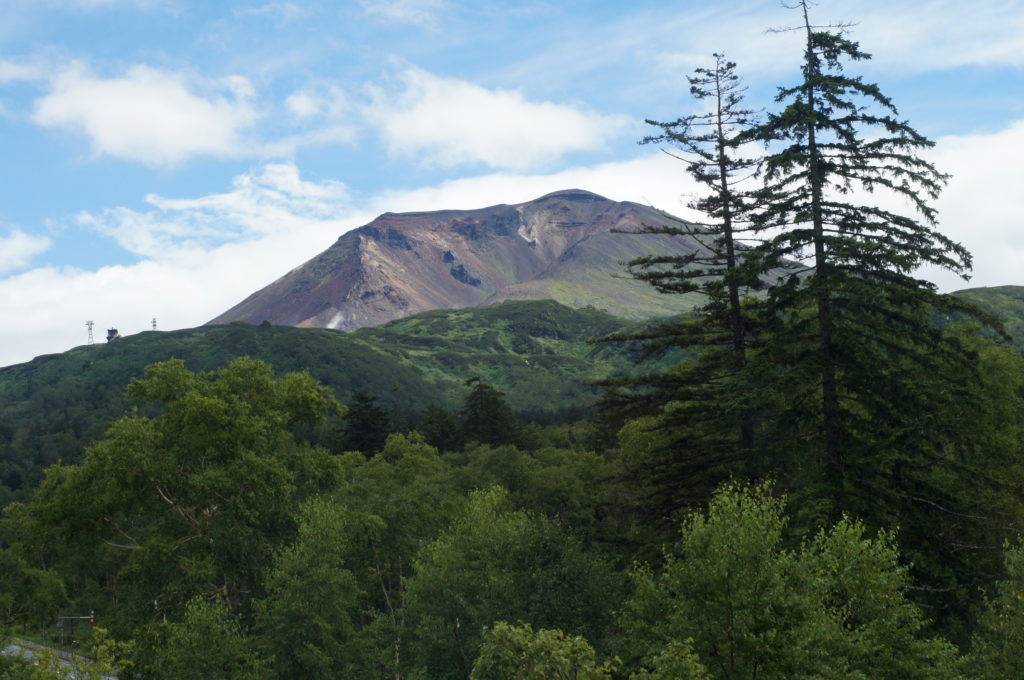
column 565, row 245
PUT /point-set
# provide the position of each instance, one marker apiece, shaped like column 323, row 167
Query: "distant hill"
column 1005, row 302
column 564, row 246
column 537, row 352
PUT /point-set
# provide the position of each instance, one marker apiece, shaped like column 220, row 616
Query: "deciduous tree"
column 192, row 501
column 498, row 564
column 733, row 602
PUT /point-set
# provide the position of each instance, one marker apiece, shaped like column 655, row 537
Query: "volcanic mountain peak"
column 563, row 246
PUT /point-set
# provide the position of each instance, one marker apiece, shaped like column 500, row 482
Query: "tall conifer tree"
column 707, row 422
column 706, row 143
column 858, row 325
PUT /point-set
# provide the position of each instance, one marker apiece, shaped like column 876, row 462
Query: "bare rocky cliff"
column 562, row 246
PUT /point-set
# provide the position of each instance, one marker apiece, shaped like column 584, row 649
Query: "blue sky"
column 165, row 158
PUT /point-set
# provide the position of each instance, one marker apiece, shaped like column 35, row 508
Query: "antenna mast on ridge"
column 89, row 325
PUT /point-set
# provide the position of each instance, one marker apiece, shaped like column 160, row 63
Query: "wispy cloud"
column 283, row 12
column 452, row 122
column 932, row 35
column 12, row 70
column 270, row 200
column 320, row 100
column 95, row 4
column 417, row 12
column 200, row 256
column 666, row 42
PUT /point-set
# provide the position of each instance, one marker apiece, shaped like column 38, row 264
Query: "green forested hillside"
column 53, row 405
column 1005, row 302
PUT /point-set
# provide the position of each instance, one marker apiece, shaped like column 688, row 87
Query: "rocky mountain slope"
column 563, row 246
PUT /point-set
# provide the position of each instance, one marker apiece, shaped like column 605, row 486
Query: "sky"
column 163, row 159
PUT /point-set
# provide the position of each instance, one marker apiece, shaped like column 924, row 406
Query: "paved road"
column 26, row 650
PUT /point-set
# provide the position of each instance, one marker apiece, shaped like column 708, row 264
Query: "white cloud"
column 911, row 36
column 665, row 43
column 452, row 122
column 983, row 205
column 303, row 104
column 18, row 248
column 150, row 115
column 418, row 12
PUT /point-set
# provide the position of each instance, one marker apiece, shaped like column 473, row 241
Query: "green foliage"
column 857, row 392
column 748, row 607
column 440, row 428
column 190, row 502
column 730, row 587
column 999, row 636
column 707, row 143
column 207, row 643
column 413, row 492
column 860, row 311
column 519, row 653
column 495, row 563
column 208, row 525
column 30, row 598
column 704, row 406
column 15, row 668
column 676, row 661
column 306, row 621
column 576, row 488
column 403, row 497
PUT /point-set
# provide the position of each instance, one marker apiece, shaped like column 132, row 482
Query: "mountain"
column 562, row 246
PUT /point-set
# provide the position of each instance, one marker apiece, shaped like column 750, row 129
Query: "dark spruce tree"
column 486, row 416
column 707, row 144
column 705, row 421
column 874, row 389
column 858, row 312
column 366, row 425
column 440, row 428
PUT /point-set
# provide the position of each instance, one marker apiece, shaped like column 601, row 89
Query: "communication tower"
column 154, row 323
column 89, row 324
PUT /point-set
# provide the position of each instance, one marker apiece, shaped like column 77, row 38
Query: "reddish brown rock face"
column 561, row 246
